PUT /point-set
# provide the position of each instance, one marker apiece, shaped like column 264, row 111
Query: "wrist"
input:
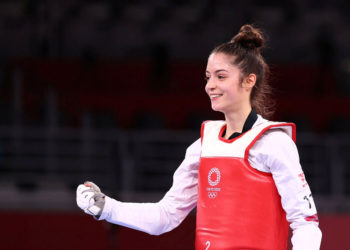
column 105, row 211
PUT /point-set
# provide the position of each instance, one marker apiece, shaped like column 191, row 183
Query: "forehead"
column 220, row 61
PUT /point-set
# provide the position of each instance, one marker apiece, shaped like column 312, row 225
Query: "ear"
column 249, row 81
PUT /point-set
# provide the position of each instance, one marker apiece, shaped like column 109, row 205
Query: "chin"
column 216, row 108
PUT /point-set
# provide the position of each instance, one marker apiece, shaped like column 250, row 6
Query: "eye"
column 221, row 77
column 206, row 78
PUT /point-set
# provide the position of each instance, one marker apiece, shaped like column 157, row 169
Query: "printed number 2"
column 208, row 244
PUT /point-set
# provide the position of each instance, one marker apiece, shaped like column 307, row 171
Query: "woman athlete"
column 243, row 174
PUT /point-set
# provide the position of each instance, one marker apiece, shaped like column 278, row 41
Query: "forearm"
column 152, row 218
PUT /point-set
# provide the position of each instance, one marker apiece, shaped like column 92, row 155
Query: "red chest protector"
column 238, row 207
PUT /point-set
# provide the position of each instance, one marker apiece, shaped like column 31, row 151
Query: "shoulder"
column 276, row 136
column 277, row 149
column 274, row 141
column 276, row 129
column 194, row 149
column 277, row 142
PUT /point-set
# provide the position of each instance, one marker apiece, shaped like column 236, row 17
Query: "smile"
column 214, row 96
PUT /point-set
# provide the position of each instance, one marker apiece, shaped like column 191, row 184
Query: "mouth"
column 213, row 97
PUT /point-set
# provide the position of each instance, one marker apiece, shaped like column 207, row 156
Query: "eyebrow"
column 217, row 71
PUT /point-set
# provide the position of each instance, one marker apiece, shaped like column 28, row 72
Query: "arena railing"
column 40, row 167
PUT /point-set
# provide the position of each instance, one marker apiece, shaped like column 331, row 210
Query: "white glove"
column 90, row 199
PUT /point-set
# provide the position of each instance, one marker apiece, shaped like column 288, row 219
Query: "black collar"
column 248, row 124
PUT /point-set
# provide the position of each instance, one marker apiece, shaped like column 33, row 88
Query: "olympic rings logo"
column 212, row 195
column 217, row 172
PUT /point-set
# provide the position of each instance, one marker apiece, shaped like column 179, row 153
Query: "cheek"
column 235, row 88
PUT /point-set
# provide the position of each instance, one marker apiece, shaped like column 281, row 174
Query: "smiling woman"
column 238, row 73
column 243, row 174
column 244, row 53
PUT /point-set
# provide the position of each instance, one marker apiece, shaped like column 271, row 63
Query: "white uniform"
column 274, row 152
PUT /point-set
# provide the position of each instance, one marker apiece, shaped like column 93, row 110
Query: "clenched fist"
column 90, row 199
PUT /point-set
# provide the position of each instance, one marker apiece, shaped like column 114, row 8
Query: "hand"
column 90, row 199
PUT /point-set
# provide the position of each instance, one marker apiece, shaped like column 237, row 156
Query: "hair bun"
column 249, row 37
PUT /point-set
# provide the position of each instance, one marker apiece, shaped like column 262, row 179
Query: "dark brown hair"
column 246, row 47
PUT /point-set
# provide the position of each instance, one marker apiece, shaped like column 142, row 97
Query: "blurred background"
column 113, row 92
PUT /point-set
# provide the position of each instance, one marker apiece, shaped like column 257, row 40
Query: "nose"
column 210, row 84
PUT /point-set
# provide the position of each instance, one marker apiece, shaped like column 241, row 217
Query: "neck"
column 235, row 121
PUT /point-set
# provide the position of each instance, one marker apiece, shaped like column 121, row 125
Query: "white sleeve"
column 276, row 152
column 168, row 213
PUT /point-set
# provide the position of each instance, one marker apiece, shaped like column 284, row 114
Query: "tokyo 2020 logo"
column 214, row 177
column 217, row 180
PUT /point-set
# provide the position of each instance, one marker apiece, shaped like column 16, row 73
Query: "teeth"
column 213, row 96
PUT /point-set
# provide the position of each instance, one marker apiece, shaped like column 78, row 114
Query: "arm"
column 276, row 152
column 168, row 213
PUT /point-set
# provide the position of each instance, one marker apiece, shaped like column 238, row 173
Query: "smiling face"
column 228, row 90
